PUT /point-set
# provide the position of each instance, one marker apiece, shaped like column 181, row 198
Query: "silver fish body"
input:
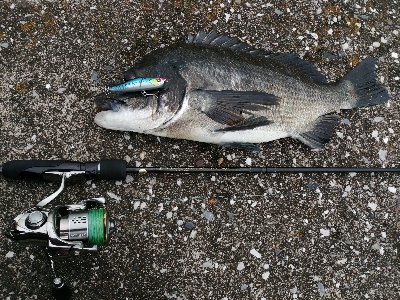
column 223, row 91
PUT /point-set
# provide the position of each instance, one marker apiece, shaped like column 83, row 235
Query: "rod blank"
column 260, row 170
column 116, row 169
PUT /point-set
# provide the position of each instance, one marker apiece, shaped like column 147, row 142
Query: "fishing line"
column 96, row 226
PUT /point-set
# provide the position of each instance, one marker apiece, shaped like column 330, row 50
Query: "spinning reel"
column 66, row 230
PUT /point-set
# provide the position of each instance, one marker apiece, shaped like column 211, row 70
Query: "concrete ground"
column 207, row 236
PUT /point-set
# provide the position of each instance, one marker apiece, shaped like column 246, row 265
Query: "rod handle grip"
column 107, row 169
column 112, row 169
column 34, row 169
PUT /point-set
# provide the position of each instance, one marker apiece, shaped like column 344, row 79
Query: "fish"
column 139, row 84
column 223, row 91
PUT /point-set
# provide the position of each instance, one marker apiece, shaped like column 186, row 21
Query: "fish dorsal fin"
column 299, row 64
column 224, row 40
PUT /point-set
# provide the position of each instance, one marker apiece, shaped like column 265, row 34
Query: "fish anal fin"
column 321, row 133
column 241, row 146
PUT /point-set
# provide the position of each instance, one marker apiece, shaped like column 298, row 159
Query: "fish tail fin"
column 363, row 89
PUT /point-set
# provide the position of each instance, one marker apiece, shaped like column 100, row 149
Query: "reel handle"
column 60, row 290
column 107, row 169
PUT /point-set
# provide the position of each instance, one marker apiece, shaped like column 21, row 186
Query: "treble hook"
column 152, row 101
column 146, row 94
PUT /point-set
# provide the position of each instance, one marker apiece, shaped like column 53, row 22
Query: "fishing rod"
column 117, row 169
column 69, row 230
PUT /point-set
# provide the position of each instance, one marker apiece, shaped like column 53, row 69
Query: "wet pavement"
column 202, row 236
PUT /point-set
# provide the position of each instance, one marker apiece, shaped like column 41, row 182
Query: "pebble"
column 265, row 275
column 321, row 289
column 208, row 215
column 312, row 186
column 128, row 179
column 189, row 225
column 230, row 215
column 248, row 161
column 135, row 268
column 324, row 232
column 329, row 56
column 94, row 76
column 240, row 266
column 376, row 44
column 113, row 196
column 255, row 253
column 382, row 155
column 200, row 163
column 208, row 264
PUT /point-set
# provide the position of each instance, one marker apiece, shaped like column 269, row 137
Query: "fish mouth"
column 105, row 104
column 114, row 101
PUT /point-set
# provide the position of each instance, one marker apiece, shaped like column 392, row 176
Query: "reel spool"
column 91, row 225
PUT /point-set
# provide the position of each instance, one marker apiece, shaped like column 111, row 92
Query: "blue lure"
column 138, row 84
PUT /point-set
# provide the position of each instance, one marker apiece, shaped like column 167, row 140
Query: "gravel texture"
column 206, row 236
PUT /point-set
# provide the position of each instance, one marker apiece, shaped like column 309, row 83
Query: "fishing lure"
column 138, row 84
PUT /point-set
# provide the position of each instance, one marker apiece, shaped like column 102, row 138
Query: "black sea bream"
column 222, row 91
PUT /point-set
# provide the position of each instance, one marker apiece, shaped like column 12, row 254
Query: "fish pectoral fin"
column 321, row 133
column 227, row 107
column 241, row 146
column 247, row 124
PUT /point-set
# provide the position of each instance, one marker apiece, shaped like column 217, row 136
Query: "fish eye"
column 129, row 75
